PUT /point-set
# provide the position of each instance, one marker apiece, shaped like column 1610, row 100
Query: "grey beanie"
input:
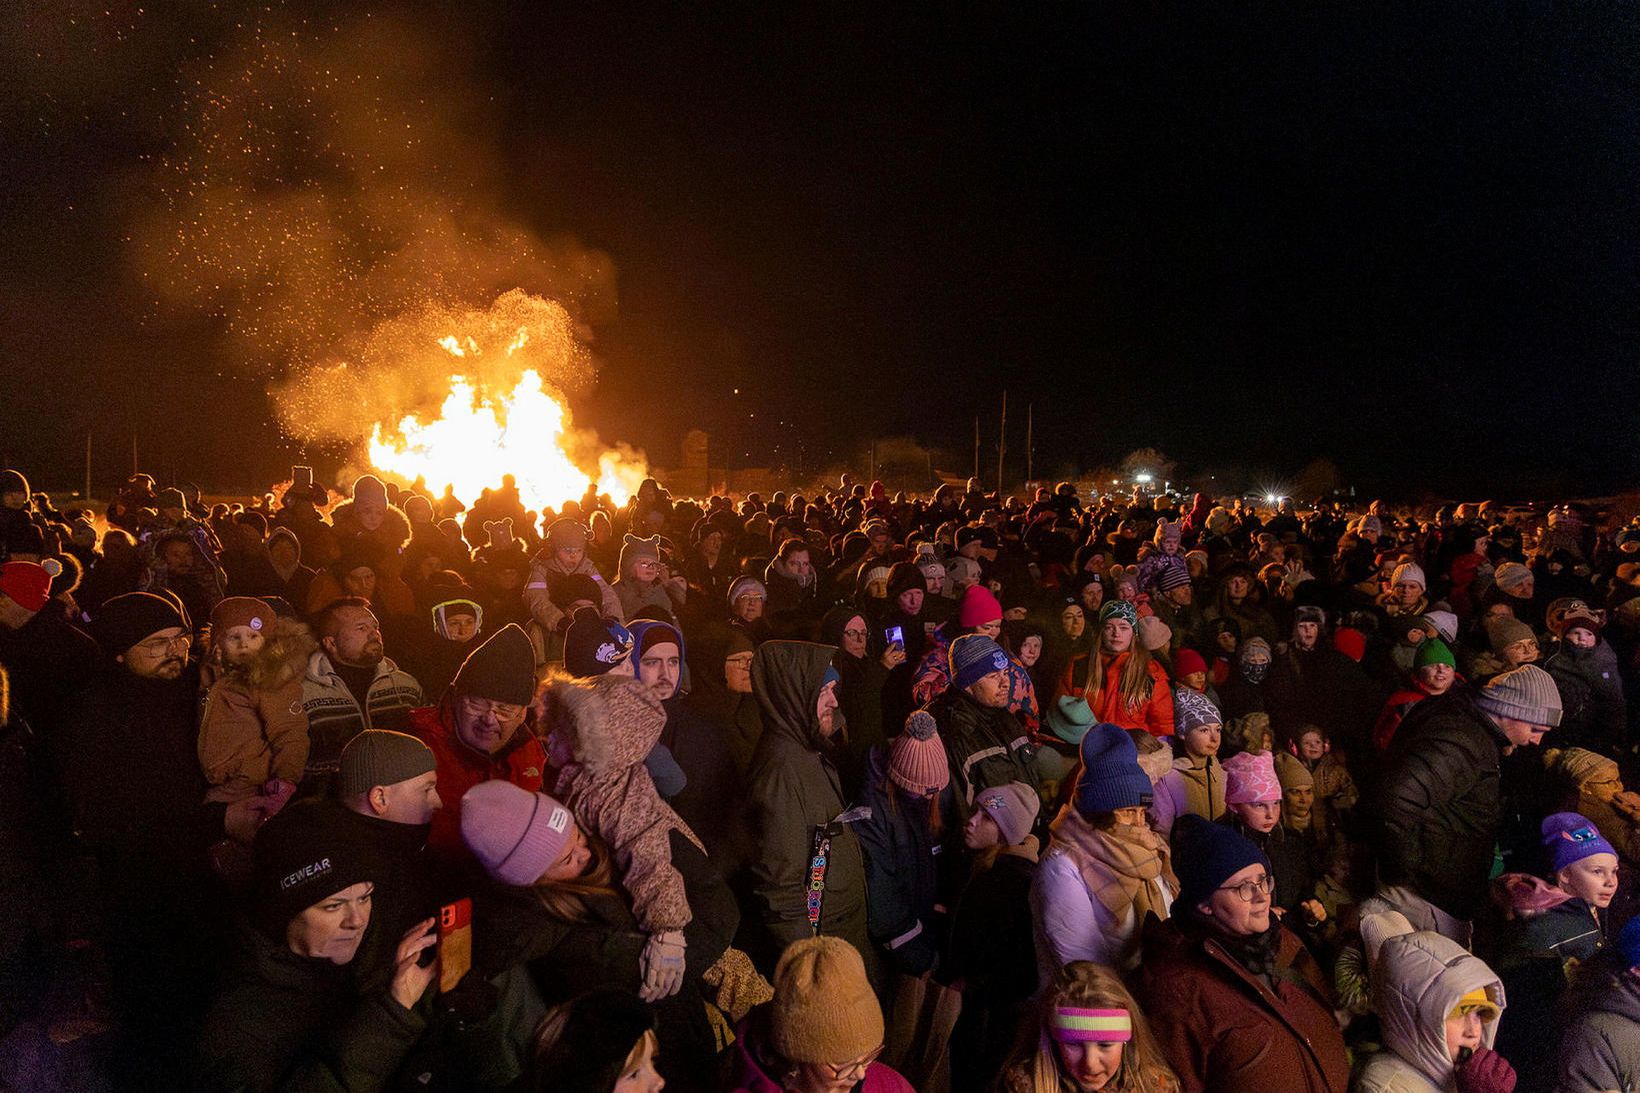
column 1527, row 693
column 377, row 757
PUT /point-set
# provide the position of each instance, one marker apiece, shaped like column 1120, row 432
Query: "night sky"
column 1401, row 240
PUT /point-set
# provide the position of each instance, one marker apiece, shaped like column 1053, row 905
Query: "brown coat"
column 1225, row 1030
column 253, row 726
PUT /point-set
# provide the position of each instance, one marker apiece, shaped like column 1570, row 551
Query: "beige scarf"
column 1125, row 866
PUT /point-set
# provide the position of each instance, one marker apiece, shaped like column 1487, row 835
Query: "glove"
column 663, row 966
column 1486, row 1072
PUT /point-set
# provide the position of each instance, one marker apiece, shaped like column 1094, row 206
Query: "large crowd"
column 844, row 791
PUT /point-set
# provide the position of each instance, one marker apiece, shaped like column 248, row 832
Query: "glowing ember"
column 478, row 437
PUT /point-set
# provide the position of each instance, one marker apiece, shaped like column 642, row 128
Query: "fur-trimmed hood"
column 607, row 723
column 283, row 659
column 394, row 531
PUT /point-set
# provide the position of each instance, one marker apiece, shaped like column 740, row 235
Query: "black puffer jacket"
column 987, row 746
column 1441, row 803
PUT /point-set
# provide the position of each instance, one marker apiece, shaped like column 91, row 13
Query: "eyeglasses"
column 1247, row 889
column 855, row 1070
column 855, row 633
column 158, row 647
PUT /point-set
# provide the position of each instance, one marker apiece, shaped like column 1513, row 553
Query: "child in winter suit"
column 253, row 733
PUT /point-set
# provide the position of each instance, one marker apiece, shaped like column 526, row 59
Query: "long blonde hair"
column 1135, row 685
column 1084, row 984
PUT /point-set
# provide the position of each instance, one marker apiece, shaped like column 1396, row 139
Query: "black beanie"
column 903, row 577
column 1205, row 855
column 125, row 620
column 307, row 852
column 502, row 669
column 599, row 1034
column 593, row 644
column 564, row 589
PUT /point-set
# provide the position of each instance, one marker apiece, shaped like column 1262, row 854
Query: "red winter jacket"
column 522, row 762
column 1154, row 715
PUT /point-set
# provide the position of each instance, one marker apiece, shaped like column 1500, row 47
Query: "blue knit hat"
column 973, row 657
column 1111, row 775
column 1569, row 837
column 1205, row 855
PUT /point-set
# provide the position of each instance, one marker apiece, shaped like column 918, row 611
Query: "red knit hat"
column 978, row 607
column 29, row 583
column 1188, row 662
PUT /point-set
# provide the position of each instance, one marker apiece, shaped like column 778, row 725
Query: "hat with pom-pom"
column 917, row 762
column 28, row 583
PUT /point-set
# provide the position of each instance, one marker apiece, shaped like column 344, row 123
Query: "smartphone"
column 895, row 636
column 455, row 943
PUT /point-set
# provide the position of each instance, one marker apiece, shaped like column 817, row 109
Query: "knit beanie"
column 370, row 488
column 1154, row 634
column 1014, row 807
column 241, row 611
column 978, row 607
column 564, row 532
column 1251, row 646
column 1511, row 576
column 965, row 571
column 917, row 762
column 1173, row 576
column 502, row 669
column 904, row 577
column 1580, row 616
column 1445, row 624
column 1069, row 718
column 1569, row 837
column 1505, row 630
column 648, row 633
column 1192, row 710
column 377, row 757
column 1250, row 779
column 516, row 835
column 1188, row 663
column 1120, row 609
column 28, row 583
column 1351, row 642
column 1291, row 771
column 125, row 620
column 634, row 547
column 305, row 853
column 1111, row 775
column 564, row 589
column 1408, row 573
column 1527, row 693
column 974, row 656
column 1580, row 765
column 593, row 644
column 170, row 499
column 1433, row 651
column 1205, row 855
column 824, row 1009
column 600, row 1031
column 746, row 586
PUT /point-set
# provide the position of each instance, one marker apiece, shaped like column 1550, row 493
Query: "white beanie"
column 1409, row 572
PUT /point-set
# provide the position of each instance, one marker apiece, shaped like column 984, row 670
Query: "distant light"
column 1142, row 479
column 1116, row 481
column 1271, row 499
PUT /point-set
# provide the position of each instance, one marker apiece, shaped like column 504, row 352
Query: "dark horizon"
column 1401, row 240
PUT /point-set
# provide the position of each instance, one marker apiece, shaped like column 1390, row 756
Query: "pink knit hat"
column 1250, row 779
column 916, row 759
column 978, row 607
column 516, row 835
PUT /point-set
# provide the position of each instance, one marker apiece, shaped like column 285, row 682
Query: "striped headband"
column 1080, row 1026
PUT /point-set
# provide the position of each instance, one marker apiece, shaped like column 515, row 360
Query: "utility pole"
column 1030, row 416
column 135, row 470
column 976, row 447
column 1002, row 443
column 87, row 493
column 872, row 477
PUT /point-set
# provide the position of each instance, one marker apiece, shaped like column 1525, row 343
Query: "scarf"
column 1126, row 866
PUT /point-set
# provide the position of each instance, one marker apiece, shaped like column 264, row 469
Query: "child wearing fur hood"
column 253, row 733
column 599, row 729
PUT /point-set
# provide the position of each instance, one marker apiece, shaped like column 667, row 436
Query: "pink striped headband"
column 1076, row 1026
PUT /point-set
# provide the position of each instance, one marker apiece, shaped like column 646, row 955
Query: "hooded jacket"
column 254, row 726
column 795, row 793
column 604, row 726
column 1419, row 981
column 538, row 598
column 1600, row 1050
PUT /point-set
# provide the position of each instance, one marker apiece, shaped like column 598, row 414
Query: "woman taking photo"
column 1090, row 1036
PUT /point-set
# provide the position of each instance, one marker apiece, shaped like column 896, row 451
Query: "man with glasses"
column 1234, row 998
column 133, row 779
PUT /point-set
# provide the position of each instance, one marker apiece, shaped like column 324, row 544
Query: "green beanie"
column 1433, row 651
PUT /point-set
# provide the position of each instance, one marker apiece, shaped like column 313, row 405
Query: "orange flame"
column 478, row 437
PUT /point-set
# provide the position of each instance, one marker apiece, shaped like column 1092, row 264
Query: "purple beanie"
column 1569, row 837
column 973, row 657
column 516, row 835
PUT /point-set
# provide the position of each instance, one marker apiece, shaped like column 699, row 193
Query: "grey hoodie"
column 1418, row 980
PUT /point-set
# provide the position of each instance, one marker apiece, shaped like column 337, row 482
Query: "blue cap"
column 1111, row 775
